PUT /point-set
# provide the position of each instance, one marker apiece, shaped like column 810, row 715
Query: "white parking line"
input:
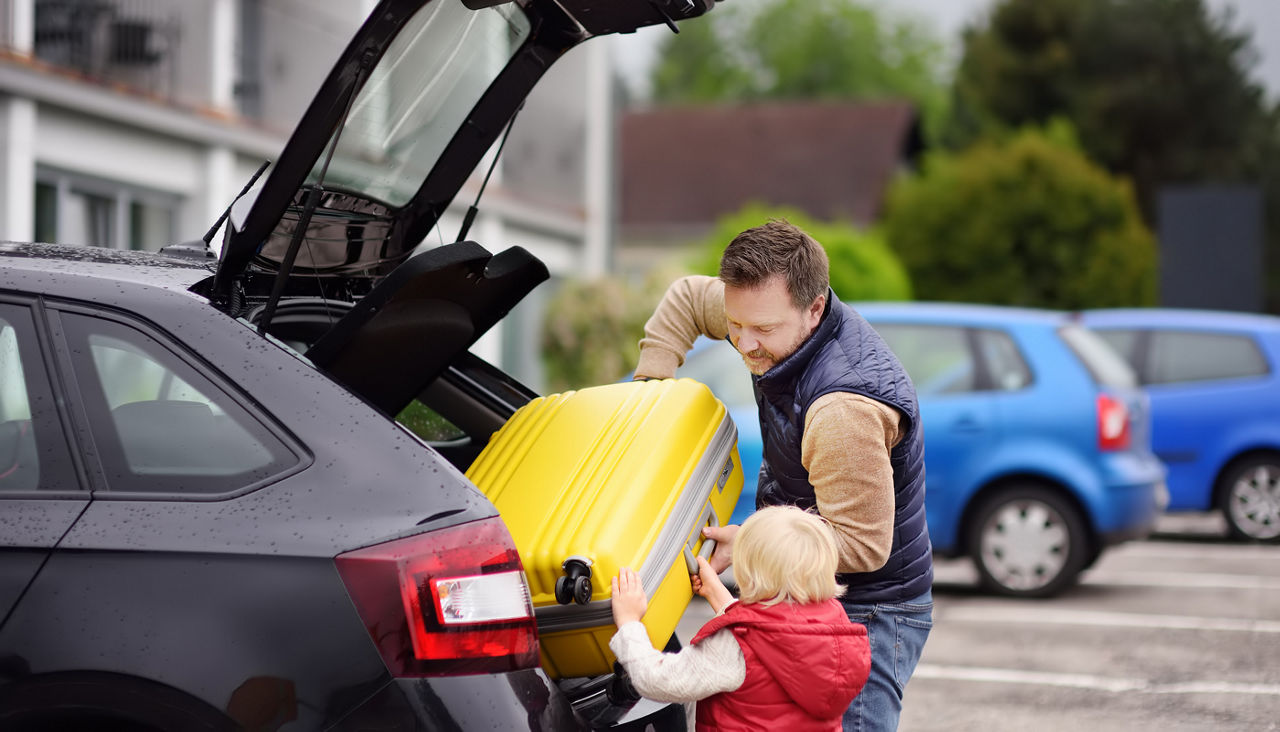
column 959, row 573
column 1053, row 616
column 1195, row 580
column 1171, row 550
column 1111, row 684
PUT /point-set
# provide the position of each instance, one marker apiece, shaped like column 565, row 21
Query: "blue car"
column 1037, row 444
column 1215, row 407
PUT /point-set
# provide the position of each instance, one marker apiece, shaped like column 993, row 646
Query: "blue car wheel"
column 1250, row 498
column 1028, row 541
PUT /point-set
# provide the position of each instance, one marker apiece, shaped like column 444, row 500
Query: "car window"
column 937, row 357
column 1101, row 360
column 33, row 447
column 1124, row 341
column 1009, row 371
column 429, row 424
column 159, row 424
column 398, row 126
column 719, row 365
column 1195, row 356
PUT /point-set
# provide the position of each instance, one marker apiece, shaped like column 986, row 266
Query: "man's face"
column 764, row 325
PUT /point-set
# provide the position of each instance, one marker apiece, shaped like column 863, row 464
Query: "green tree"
column 802, row 49
column 1158, row 89
column 1027, row 221
column 862, row 266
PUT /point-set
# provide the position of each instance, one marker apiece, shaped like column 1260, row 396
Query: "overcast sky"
column 634, row 53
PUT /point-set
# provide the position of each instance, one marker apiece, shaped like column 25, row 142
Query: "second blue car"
column 1215, row 407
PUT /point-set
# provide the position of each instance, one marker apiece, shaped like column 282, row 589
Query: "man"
column 841, row 434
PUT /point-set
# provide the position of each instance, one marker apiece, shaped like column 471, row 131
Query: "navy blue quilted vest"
column 844, row 353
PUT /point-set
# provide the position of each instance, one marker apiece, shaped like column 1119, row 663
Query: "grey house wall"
column 1211, row 247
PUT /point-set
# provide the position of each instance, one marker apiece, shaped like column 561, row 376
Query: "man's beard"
column 760, row 361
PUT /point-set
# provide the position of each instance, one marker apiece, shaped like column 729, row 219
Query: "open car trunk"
column 328, row 252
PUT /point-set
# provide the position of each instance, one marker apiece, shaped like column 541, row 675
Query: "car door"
column 40, row 493
column 956, row 411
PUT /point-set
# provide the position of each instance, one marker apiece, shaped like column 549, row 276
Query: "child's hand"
column 628, row 601
column 707, row 584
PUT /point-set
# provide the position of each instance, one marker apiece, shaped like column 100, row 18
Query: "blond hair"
column 785, row 554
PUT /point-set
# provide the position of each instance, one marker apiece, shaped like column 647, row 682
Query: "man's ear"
column 817, row 306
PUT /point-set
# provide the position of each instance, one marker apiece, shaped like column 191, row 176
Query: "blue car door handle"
column 966, row 423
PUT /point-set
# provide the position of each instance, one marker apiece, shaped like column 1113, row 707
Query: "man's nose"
column 747, row 344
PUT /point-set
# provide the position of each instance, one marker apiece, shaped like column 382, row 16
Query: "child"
column 784, row 656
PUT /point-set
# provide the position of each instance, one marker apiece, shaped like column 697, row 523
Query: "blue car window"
column 1101, row 360
column 1009, row 371
column 718, row 365
column 1124, row 341
column 1193, row 356
column 938, row 358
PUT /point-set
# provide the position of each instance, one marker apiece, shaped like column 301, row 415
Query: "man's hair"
column 785, row 554
column 777, row 247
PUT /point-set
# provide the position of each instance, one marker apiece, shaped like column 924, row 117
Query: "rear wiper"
column 208, row 237
column 193, row 248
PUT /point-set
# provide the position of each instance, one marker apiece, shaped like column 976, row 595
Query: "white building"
column 133, row 123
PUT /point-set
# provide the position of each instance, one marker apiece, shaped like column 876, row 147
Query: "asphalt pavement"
column 1177, row 633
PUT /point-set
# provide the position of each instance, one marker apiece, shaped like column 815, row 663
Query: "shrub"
column 1024, row 221
column 592, row 330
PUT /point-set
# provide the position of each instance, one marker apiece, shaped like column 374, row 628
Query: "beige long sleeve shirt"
column 846, row 440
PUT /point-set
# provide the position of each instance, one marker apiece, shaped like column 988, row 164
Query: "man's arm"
column 845, row 448
column 692, row 306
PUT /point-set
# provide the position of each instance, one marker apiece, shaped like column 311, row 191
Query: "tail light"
column 1113, row 424
column 453, row 601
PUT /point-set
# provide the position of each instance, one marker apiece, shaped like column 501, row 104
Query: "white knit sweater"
column 696, row 672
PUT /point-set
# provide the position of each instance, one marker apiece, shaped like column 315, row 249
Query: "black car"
column 231, row 487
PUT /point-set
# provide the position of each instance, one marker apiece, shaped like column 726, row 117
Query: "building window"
column 129, row 42
column 76, row 209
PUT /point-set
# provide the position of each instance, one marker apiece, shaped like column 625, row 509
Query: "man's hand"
column 707, row 584
column 722, row 557
column 629, row 603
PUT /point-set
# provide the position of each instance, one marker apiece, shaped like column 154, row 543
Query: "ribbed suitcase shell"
column 624, row 475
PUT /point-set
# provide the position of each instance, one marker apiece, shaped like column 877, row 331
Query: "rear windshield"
column 400, row 122
column 1105, row 365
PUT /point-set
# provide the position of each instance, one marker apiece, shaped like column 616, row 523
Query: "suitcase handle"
column 708, row 545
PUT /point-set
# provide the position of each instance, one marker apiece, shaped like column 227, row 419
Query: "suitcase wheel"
column 575, row 585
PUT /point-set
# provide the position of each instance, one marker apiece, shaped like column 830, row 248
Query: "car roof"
column 959, row 313
column 1182, row 318
column 56, row 263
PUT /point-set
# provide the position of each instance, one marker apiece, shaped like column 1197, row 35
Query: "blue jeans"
column 897, row 632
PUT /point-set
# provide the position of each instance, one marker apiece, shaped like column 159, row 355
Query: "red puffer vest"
column 805, row 664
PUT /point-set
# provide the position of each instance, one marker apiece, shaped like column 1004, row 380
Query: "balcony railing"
column 133, row 43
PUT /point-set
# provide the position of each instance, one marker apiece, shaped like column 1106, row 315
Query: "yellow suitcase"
column 605, row 477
